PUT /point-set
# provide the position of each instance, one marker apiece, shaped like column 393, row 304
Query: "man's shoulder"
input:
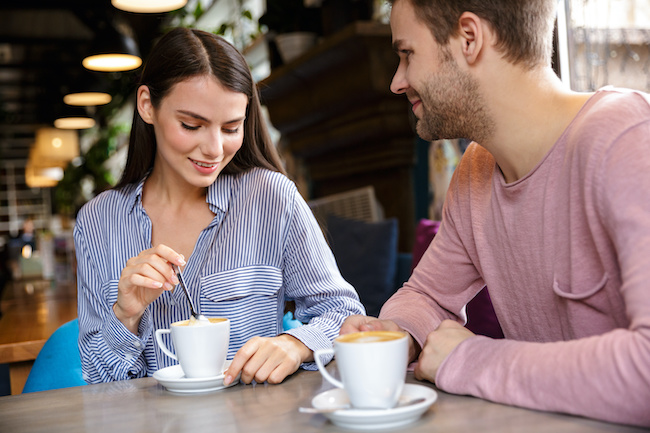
column 608, row 114
column 476, row 161
column 617, row 106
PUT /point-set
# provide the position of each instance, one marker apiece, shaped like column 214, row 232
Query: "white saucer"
column 372, row 419
column 174, row 380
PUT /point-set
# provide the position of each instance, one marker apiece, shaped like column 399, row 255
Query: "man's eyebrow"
column 397, row 45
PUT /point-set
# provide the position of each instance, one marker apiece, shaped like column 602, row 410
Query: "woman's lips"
column 205, row 167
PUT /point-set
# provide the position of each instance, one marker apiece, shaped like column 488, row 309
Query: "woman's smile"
column 205, row 167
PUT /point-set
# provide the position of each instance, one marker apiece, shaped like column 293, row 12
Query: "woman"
column 204, row 189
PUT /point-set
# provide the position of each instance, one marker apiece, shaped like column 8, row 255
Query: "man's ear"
column 144, row 105
column 472, row 36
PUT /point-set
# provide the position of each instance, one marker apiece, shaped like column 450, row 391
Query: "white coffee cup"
column 201, row 347
column 372, row 366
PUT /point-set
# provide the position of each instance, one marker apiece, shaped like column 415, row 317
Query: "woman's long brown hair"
column 185, row 53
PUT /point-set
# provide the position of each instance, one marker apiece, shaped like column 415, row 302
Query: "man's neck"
column 531, row 110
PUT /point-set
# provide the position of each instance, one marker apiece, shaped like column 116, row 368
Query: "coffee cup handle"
column 321, row 367
column 159, row 333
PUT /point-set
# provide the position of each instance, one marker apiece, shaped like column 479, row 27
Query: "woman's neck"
column 171, row 192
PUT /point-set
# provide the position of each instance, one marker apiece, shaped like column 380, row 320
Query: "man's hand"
column 359, row 323
column 440, row 343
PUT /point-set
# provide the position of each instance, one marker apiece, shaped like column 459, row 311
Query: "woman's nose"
column 213, row 146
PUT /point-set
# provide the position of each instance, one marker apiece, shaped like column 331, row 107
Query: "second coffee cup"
column 372, row 366
column 201, row 348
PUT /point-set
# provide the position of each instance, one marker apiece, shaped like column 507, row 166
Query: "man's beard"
column 453, row 107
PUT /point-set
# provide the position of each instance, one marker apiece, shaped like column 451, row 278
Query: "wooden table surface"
column 31, row 312
column 143, row 405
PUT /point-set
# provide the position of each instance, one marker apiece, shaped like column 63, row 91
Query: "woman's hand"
column 265, row 359
column 143, row 279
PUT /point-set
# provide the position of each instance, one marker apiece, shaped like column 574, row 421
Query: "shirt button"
column 138, row 344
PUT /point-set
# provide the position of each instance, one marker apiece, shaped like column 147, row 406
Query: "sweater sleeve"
column 604, row 376
column 444, row 280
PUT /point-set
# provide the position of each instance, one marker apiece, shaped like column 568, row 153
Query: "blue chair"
column 58, row 364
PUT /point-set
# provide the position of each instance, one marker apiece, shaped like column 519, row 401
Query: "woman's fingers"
column 266, row 359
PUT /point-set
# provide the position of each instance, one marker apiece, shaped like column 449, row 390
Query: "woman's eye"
column 231, row 131
column 191, row 128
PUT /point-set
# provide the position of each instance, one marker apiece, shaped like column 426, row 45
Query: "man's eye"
column 191, row 128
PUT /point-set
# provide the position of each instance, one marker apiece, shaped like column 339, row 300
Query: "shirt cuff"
column 123, row 342
column 314, row 339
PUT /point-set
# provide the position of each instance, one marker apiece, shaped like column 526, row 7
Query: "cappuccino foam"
column 193, row 322
column 370, row 337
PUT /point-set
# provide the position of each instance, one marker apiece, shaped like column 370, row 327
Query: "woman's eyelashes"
column 231, row 130
column 189, row 127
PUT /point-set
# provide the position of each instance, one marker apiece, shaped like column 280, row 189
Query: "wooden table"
column 31, row 312
column 143, row 405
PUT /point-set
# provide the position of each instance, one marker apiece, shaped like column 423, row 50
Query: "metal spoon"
column 200, row 317
column 347, row 406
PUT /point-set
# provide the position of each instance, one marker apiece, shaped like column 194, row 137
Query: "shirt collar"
column 219, row 192
column 217, row 197
column 136, row 194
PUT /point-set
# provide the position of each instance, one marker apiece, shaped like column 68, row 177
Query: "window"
column 607, row 43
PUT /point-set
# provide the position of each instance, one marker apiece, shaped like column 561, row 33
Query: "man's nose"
column 399, row 84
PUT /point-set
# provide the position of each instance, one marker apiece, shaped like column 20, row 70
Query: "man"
column 549, row 210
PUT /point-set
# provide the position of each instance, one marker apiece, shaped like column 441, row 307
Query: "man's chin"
column 425, row 133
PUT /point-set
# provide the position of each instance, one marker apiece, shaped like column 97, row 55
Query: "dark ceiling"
column 42, row 43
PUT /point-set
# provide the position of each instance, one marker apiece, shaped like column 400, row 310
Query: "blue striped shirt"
column 262, row 248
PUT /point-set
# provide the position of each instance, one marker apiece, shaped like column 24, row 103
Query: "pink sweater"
column 565, row 253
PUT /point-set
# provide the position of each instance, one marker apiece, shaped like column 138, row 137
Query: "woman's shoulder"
column 108, row 203
column 267, row 181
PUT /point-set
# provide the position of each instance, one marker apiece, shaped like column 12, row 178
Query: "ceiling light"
column 112, row 62
column 148, row 6
column 38, row 175
column 113, row 50
column 88, row 88
column 54, row 147
column 87, row 98
column 74, row 122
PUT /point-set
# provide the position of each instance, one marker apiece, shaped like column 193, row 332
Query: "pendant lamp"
column 41, row 172
column 88, row 88
column 72, row 117
column 113, row 50
column 149, row 6
column 55, row 147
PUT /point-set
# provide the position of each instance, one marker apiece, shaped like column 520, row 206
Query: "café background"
column 598, row 42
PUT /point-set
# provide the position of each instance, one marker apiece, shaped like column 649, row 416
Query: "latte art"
column 370, row 337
